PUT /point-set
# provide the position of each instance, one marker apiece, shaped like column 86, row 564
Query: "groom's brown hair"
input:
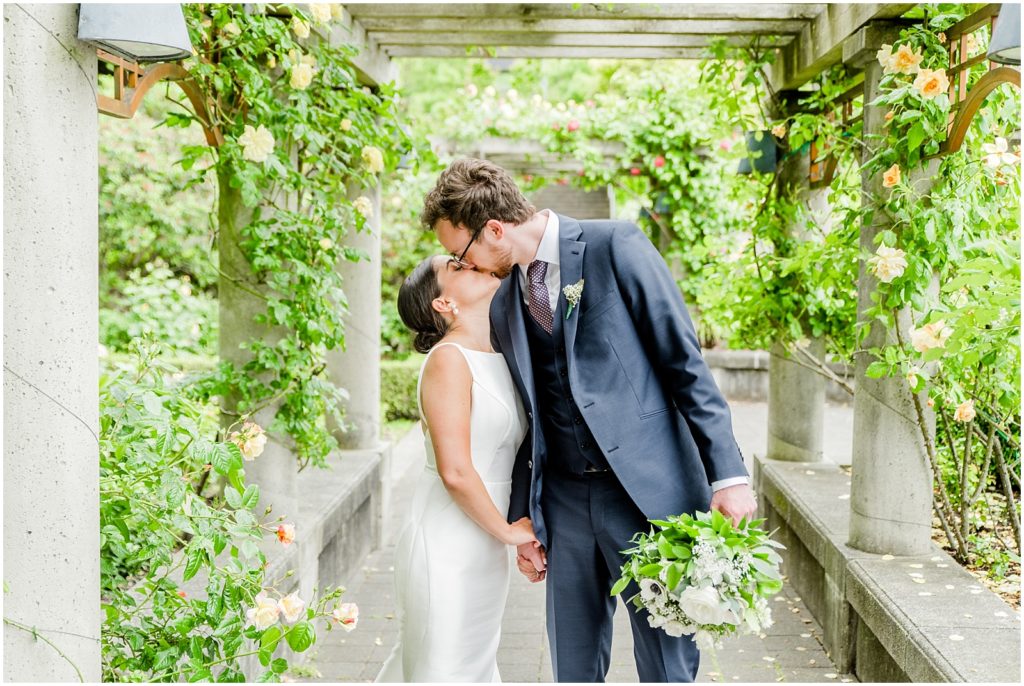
column 470, row 192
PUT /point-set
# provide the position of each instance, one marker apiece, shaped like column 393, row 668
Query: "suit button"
column 563, row 373
column 578, row 420
column 529, row 463
column 585, row 444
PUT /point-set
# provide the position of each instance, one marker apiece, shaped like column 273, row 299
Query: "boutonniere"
column 573, row 294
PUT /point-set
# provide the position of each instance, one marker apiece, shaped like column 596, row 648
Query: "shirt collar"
column 547, row 251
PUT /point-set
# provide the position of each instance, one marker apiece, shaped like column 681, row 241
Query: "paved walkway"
column 789, row 651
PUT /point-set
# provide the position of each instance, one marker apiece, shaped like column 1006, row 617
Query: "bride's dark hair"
column 414, row 306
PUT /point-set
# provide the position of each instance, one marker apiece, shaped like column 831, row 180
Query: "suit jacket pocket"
column 600, row 306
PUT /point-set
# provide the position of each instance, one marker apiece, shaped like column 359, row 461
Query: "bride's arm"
column 447, row 401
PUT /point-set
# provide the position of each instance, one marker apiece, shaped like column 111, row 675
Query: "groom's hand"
column 735, row 502
column 532, row 555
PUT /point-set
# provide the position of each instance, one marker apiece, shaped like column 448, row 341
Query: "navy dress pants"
column 590, row 520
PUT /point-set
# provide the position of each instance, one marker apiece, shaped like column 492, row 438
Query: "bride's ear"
column 442, row 305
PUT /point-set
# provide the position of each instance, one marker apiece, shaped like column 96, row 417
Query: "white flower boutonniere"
column 573, row 294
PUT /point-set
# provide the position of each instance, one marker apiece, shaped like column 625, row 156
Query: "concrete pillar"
column 275, row 470
column 796, row 406
column 796, row 393
column 891, row 492
column 51, row 337
column 357, row 367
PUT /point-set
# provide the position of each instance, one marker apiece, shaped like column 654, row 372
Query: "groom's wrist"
column 726, row 483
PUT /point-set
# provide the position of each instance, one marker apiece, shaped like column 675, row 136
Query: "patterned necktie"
column 540, row 300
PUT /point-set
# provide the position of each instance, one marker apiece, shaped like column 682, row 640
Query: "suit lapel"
column 570, row 258
column 516, row 342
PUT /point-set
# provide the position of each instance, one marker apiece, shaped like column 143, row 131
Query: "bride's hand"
column 519, row 532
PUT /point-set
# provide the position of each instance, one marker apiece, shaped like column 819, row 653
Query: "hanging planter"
column 762, row 153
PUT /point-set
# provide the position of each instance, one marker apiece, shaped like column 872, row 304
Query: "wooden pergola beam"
column 820, row 44
column 747, row 12
column 547, row 51
column 373, row 66
column 455, row 25
column 387, row 40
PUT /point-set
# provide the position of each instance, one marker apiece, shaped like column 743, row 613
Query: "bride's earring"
column 455, row 310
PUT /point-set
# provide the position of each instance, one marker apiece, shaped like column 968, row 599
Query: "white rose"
column 888, row 263
column 337, row 10
column 929, row 336
column 302, row 76
column 704, row 606
column 321, row 12
column 346, row 124
column 364, row 206
column 257, row 144
column 674, row 628
column 346, row 614
column 965, row 411
column 291, row 607
column 265, row 613
column 250, row 440
column 231, row 29
column 705, row 640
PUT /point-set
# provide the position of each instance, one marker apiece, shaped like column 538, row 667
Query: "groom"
column 626, row 422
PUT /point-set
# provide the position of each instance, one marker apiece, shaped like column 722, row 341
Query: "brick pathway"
column 789, row 651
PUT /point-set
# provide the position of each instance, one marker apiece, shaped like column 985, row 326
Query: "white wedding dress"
column 451, row 576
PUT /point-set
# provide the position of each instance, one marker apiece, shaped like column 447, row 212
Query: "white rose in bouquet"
column 705, row 639
column 705, row 606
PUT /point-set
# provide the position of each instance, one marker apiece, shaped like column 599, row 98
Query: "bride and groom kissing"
column 564, row 402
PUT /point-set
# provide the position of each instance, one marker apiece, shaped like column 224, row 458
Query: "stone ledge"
column 874, row 620
column 743, row 375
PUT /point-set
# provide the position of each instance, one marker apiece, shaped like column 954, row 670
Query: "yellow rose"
column 891, row 176
column 302, row 76
column 779, row 130
column 251, row 440
column 271, row 61
column 321, row 12
column 884, row 56
column 346, row 124
column 326, row 244
column 231, row 29
column 905, row 60
column 300, row 28
column 337, row 10
column 373, row 158
column 931, row 83
column 965, row 411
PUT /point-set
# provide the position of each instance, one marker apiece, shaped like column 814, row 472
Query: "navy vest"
column 570, row 445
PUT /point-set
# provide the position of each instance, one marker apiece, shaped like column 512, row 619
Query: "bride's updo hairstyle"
column 414, row 306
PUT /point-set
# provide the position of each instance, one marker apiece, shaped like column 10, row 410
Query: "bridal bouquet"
column 704, row 577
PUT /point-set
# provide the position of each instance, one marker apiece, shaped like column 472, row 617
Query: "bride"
column 454, row 557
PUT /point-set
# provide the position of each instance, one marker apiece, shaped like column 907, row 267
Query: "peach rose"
column 891, row 176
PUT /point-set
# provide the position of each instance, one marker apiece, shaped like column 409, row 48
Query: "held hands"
column 531, row 558
column 735, row 502
column 520, row 532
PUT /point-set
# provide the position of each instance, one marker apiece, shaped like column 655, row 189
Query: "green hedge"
column 398, row 388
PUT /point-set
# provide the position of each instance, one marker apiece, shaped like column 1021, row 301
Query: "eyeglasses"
column 460, row 261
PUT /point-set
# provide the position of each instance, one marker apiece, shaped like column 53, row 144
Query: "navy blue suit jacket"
column 636, row 374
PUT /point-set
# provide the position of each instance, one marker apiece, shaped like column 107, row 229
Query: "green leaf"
column 234, row 498
column 620, row 586
column 674, row 575
column 196, row 558
column 301, row 636
column 270, row 637
column 877, row 370
column 251, row 496
column 915, row 136
column 279, row 665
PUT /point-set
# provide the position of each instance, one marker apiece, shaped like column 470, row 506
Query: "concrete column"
column 891, row 492
column 796, row 406
column 357, row 367
column 51, row 337
column 275, row 470
column 796, row 393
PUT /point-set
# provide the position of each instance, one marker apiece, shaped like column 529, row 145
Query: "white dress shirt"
column 547, row 251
